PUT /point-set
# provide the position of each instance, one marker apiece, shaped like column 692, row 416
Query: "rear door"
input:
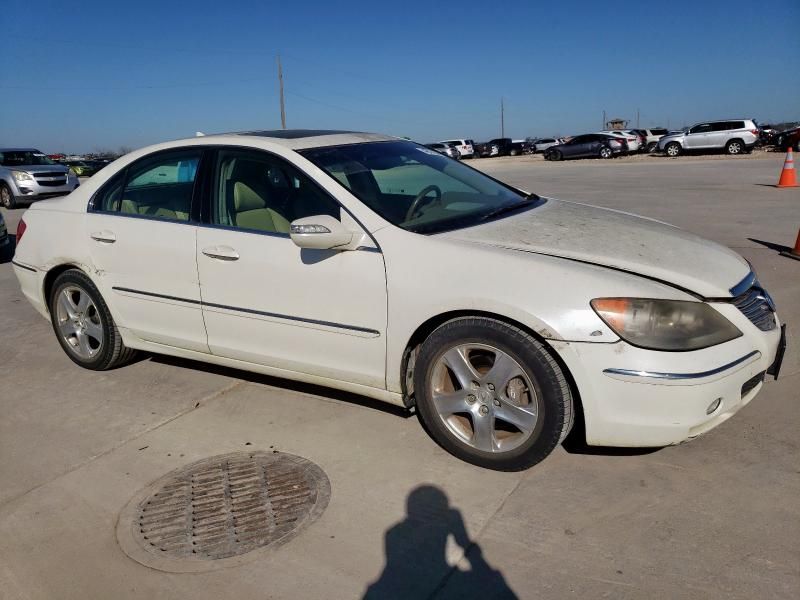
column 142, row 243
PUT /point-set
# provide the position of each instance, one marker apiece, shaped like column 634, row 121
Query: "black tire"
column 735, row 147
column 7, row 199
column 112, row 352
column 673, row 149
column 554, row 397
column 556, row 155
column 651, row 146
column 513, row 152
column 606, row 152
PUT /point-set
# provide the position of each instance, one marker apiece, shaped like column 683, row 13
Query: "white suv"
column 734, row 136
column 465, row 147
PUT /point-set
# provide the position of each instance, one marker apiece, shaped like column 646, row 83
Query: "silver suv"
column 734, row 136
column 27, row 175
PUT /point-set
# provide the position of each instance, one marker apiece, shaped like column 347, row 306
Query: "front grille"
column 756, row 307
column 61, row 174
column 56, row 183
column 752, row 383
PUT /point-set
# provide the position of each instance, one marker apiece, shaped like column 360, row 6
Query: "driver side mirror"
column 321, row 232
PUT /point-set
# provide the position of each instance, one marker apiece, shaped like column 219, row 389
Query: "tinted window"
column 702, row 128
column 658, row 131
column 23, row 157
column 581, row 139
column 161, row 186
column 260, row 192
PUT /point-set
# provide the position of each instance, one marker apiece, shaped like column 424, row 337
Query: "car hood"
column 615, row 239
column 40, row 168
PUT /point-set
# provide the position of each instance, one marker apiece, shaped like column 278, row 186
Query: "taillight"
column 754, row 131
column 21, row 227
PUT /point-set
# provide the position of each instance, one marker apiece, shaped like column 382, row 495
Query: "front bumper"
column 642, row 398
column 31, row 191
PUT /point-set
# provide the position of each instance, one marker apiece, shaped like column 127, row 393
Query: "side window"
column 107, row 199
column 161, row 186
column 703, row 128
column 260, row 192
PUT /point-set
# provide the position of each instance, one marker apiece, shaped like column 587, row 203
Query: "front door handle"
column 104, row 236
column 221, row 252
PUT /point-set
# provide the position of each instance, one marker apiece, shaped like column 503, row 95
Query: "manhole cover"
column 206, row 514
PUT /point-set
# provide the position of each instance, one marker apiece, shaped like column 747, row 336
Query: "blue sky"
column 80, row 76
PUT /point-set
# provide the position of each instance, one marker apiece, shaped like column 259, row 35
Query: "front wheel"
column 556, row 155
column 7, row 197
column 673, row 149
column 83, row 324
column 491, row 394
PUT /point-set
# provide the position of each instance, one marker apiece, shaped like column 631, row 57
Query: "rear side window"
column 107, row 199
column 658, row 131
column 158, row 186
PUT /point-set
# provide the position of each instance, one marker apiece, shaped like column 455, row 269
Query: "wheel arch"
column 424, row 330
column 51, row 276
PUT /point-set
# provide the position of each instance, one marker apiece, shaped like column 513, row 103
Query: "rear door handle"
column 221, row 252
column 104, row 236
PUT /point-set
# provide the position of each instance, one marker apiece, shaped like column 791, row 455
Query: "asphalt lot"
column 714, row 518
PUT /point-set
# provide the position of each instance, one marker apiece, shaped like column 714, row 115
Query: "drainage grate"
column 229, row 505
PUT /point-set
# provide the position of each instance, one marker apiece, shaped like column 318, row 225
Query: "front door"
column 265, row 300
column 143, row 247
column 699, row 136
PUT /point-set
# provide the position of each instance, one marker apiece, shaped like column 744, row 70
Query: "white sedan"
column 375, row 265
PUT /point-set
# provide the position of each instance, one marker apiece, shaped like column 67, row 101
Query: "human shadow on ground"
column 416, row 565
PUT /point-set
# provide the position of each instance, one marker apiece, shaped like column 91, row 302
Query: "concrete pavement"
column 715, row 518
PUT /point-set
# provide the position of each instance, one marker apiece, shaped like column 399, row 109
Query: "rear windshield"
column 18, row 158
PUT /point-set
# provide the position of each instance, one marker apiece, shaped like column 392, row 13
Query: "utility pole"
column 280, row 85
column 502, row 119
column 603, row 126
column 637, row 118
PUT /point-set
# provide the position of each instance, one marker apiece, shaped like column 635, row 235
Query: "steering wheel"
column 412, row 210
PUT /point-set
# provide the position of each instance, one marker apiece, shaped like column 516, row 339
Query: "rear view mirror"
column 321, row 232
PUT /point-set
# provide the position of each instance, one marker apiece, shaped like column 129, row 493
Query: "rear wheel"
column 673, row 149
column 83, row 324
column 7, row 197
column 734, row 147
column 605, row 152
column 491, row 394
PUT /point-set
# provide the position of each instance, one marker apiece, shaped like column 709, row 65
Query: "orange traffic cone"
column 788, row 176
column 795, row 252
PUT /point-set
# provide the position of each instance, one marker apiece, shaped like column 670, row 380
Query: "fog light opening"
column 713, row 406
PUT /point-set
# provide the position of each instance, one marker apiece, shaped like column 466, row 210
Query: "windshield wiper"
column 530, row 199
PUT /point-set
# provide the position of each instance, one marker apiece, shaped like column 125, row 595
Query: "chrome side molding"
column 631, row 375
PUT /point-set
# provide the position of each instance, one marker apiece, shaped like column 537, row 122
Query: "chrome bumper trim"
column 626, row 373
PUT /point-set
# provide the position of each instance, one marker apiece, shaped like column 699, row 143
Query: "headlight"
column 21, row 176
column 665, row 324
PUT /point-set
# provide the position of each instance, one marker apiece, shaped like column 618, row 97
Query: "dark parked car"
column 502, row 147
column 592, row 145
column 788, row 139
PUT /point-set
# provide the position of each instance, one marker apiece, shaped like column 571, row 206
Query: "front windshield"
column 18, row 158
column 414, row 187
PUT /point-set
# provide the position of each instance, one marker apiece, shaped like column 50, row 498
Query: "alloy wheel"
column 484, row 397
column 79, row 322
column 734, row 148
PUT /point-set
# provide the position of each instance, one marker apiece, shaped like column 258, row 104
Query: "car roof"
column 298, row 139
column 18, row 150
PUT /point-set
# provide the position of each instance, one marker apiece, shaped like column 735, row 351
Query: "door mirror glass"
column 321, row 232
